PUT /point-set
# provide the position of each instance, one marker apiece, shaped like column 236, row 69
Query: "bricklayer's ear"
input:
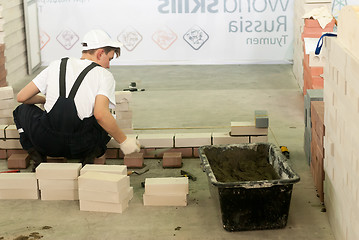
column 99, row 53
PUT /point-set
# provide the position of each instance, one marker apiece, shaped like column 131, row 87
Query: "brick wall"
column 2, row 66
column 12, row 35
column 300, row 8
column 341, row 117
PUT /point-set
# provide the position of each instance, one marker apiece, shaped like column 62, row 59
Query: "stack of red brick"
column 2, row 66
column 317, row 146
column 312, row 74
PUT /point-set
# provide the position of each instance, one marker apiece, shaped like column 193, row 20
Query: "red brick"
column 172, row 159
column 134, row 160
column 317, row 82
column 317, row 167
column 18, row 161
column 317, row 112
column 186, row 152
column 148, row 152
column 15, row 151
column 2, row 61
column 3, row 83
column 313, row 23
column 101, row 160
column 312, row 34
column 2, row 154
column 121, row 155
column 3, row 70
column 312, row 29
column 195, row 152
column 112, row 153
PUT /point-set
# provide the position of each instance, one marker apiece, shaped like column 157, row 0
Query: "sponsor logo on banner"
column 264, row 22
column 164, row 37
column 231, row 31
column 44, row 39
column 196, row 37
column 130, row 38
column 67, row 38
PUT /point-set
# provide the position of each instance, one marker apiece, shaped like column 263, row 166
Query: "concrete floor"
column 187, row 99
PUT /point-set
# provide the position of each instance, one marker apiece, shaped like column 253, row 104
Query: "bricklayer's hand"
column 130, row 145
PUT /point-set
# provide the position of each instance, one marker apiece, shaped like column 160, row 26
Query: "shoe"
column 37, row 157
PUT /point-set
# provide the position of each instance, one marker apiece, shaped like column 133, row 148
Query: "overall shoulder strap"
column 62, row 77
column 80, row 78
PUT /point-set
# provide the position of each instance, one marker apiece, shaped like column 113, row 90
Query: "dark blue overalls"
column 60, row 132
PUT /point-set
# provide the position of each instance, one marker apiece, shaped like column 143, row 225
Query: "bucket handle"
column 320, row 41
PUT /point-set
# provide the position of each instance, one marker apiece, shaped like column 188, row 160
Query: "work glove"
column 130, row 145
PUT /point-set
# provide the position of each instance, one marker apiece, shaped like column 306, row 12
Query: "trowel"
column 137, row 172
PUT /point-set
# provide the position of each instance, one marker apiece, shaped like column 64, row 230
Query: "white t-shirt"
column 98, row 81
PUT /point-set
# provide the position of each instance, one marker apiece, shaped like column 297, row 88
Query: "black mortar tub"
column 250, row 205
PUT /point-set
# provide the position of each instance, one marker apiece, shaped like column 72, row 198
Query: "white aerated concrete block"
column 19, row 193
column 225, row 138
column 110, row 197
column 10, row 144
column 124, row 115
column 6, row 93
column 124, row 123
column 257, row 139
column 170, row 185
column 6, row 113
column 156, row 140
column 116, row 169
column 58, row 194
column 337, row 55
column 165, row 200
column 93, row 206
column 98, row 181
column 348, row 28
column 122, row 107
column 7, row 104
column 246, row 129
column 7, row 120
column 58, row 170
column 60, row 184
column 11, row 132
column 317, row 60
column 193, row 139
column 2, row 131
column 123, row 95
column 18, row 181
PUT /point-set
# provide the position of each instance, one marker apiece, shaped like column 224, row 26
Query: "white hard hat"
column 98, row 38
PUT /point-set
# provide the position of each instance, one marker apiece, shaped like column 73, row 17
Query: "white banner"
column 172, row 31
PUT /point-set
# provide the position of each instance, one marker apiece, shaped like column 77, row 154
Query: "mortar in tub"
column 251, row 183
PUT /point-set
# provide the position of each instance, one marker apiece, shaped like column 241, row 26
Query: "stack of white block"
column 104, row 191
column 171, row 191
column 58, row 181
column 123, row 111
column 300, row 8
column 116, row 169
column 7, row 105
column 341, row 117
column 18, row 186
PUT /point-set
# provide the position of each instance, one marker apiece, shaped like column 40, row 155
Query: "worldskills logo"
column 130, row 38
column 44, row 39
column 67, row 38
column 164, row 37
column 196, row 37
